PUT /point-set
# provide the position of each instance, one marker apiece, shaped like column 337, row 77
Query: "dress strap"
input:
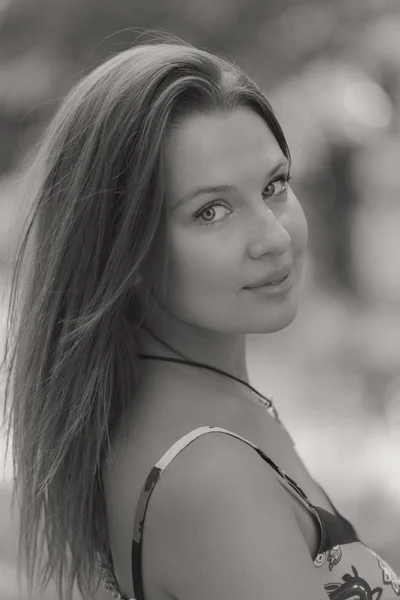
column 154, row 476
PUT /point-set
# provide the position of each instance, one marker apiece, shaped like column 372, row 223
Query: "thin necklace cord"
column 266, row 403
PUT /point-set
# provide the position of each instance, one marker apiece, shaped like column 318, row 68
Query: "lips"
column 275, row 277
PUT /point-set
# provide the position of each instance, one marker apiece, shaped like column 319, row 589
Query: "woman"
column 166, row 230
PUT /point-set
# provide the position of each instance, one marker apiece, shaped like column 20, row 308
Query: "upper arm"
column 227, row 530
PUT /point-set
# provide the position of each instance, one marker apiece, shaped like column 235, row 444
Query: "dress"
column 350, row 568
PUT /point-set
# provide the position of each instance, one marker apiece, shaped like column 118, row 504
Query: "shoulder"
column 219, row 509
column 214, row 466
column 213, row 481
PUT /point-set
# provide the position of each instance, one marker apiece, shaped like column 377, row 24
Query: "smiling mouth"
column 272, row 283
column 278, row 281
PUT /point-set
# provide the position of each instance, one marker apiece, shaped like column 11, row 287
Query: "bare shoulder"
column 223, row 527
column 217, row 504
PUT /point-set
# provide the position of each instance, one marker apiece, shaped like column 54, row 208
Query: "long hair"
column 97, row 220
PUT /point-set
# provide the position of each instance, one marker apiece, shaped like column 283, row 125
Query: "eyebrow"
column 224, row 188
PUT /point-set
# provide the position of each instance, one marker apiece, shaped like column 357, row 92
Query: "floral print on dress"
column 388, row 575
column 332, row 557
column 353, row 587
column 355, row 584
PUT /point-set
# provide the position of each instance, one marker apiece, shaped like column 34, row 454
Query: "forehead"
column 223, row 148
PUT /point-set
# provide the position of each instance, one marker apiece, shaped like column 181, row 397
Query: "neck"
column 226, row 352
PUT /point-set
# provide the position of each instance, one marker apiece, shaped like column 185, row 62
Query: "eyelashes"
column 283, row 179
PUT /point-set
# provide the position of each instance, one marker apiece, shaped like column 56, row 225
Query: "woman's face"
column 257, row 227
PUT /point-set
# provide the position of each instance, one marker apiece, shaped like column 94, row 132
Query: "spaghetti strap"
column 154, row 476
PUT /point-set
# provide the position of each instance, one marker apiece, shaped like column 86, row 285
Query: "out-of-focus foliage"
column 331, row 69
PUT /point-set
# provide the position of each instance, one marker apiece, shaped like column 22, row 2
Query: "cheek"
column 202, row 273
column 195, row 266
column 199, row 290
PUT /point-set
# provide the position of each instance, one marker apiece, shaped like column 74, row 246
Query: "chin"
column 282, row 325
column 279, row 322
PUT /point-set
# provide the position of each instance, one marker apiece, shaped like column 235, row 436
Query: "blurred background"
column 331, row 69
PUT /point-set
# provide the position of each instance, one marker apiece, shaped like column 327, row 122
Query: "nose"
column 268, row 236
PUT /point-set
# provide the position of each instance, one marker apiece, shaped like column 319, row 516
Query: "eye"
column 280, row 183
column 210, row 206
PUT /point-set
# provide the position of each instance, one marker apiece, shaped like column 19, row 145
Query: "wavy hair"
column 97, row 219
